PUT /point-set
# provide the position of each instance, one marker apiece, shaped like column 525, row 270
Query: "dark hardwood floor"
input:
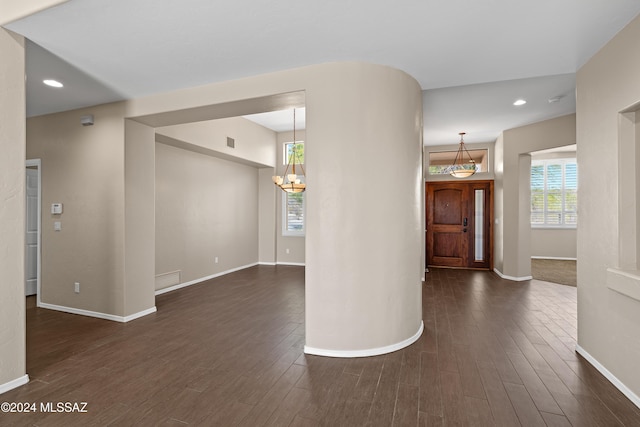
column 229, row 352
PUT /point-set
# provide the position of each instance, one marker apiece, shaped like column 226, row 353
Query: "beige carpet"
column 555, row 271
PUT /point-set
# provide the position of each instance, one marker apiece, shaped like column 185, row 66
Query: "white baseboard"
column 301, row 264
column 515, row 279
column 139, row 314
column 105, row 316
column 14, row 384
column 558, row 258
column 634, row 398
column 368, row 352
column 202, row 279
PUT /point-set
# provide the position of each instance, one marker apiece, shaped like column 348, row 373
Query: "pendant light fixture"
column 291, row 182
column 460, row 168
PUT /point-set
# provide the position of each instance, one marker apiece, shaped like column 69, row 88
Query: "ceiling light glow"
column 52, row 83
column 520, row 102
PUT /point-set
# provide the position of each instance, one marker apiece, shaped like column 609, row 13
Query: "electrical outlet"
column 215, row 260
column 76, row 287
column 287, row 250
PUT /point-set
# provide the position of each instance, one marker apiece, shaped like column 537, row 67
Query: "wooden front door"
column 459, row 218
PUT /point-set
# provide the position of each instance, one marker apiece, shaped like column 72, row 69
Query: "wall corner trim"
column 367, row 352
column 14, row 384
column 139, row 314
column 96, row 314
column 512, row 278
column 625, row 282
column 634, row 398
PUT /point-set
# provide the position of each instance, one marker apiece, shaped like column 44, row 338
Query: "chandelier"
column 291, row 182
column 460, row 168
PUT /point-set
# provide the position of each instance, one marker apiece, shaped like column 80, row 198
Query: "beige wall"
column 239, row 233
column 359, row 248
column 554, row 243
column 83, row 168
column 512, row 211
column 253, row 143
column 205, row 208
column 363, row 257
column 295, row 244
column 267, row 217
column 523, row 206
column 12, row 194
column 351, row 252
column 139, row 219
column 498, row 202
column 254, row 146
column 609, row 317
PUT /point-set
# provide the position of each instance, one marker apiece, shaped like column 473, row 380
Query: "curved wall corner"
column 12, row 223
column 364, row 210
column 365, row 215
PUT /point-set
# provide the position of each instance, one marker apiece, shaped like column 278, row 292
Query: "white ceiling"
column 280, row 121
column 472, row 58
column 486, row 109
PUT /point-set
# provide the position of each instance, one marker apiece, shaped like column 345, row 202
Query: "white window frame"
column 285, row 149
column 285, row 222
column 546, row 163
column 440, row 170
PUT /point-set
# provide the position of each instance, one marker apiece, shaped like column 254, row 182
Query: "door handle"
column 464, row 222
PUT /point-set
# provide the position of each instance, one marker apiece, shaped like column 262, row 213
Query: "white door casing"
column 32, row 226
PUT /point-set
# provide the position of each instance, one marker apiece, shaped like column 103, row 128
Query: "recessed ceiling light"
column 520, row 102
column 52, row 83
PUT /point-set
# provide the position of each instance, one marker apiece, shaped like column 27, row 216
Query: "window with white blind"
column 554, row 193
column 293, row 214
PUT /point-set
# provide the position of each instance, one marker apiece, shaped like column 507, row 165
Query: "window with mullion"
column 293, row 214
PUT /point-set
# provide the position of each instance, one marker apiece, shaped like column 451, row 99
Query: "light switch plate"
column 57, row 226
column 56, row 208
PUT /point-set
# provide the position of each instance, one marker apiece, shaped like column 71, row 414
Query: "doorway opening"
column 191, row 173
column 33, row 215
column 554, row 215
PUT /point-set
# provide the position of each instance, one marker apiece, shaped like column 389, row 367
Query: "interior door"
column 31, row 249
column 459, row 219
